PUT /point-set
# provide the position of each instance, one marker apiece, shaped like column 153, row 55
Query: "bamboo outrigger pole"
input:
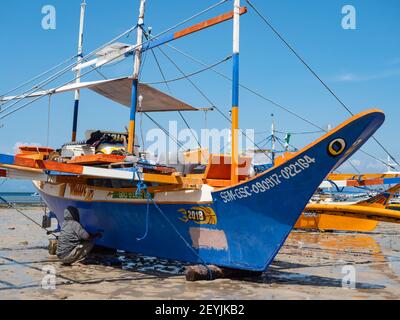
column 136, row 71
column 235, row 94
column 78, row 71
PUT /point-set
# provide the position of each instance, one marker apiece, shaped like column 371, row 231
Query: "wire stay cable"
column 314, row 73
column 115, row 58
column 262, row 97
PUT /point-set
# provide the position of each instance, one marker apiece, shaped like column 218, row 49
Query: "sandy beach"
column 310, row 266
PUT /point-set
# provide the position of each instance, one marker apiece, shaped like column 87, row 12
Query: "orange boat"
column 356, row 217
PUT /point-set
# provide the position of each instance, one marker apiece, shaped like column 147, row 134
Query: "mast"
column 235, row 93
column 135, row 78
column 78, row 71
column 273, row 140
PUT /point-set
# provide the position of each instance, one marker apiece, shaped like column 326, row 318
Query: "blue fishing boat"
column 222, row 215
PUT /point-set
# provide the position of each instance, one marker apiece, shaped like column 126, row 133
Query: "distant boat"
column 348, row 216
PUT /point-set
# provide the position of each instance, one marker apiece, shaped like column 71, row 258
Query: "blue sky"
column 362, row 66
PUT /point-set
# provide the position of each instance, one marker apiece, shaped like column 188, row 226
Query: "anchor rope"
column 13, row 206
column 142, row 186
column 314, row 73
column 183, row 238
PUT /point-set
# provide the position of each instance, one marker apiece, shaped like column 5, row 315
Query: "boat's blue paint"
column 260, row 168
column 6, row 159
column 255, row 223
column 391, row 180
column 134, row 100
column 158, row 42
column 75, row 119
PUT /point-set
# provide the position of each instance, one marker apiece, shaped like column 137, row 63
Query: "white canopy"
column 120, row 90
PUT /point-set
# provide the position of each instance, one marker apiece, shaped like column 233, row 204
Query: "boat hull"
column 240, row 227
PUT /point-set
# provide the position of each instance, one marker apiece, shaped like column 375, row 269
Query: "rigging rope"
column 300, row 133
column 170, row 91
column 190, row 74
column 60, row 73
column 313, row 72
column 164, row 130
column 36, row 78
column 280, row 106
column 142, row 187
column 115, row 58
column 206, row 97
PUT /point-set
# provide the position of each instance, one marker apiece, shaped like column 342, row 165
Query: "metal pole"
column 273, row 140
column 235, row 93
column 78, row 71
column 135, row 82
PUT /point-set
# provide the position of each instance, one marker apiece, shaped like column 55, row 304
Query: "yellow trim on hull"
column 356, row 211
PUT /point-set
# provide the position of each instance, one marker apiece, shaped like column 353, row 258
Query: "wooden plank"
column 171, row 179
column 211, row 272
column 75, row 169
column 369, row 182
column 207, row 24
column 60, row 167
column 14, row 167
column 218, row 183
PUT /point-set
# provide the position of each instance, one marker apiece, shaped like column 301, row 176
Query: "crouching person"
column 74, row 242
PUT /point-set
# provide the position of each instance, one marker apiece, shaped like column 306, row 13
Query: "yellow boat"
column 362, row 216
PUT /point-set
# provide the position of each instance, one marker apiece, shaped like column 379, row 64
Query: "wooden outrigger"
column 362, row 216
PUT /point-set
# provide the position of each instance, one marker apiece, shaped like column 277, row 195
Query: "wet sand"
column 309, row 266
